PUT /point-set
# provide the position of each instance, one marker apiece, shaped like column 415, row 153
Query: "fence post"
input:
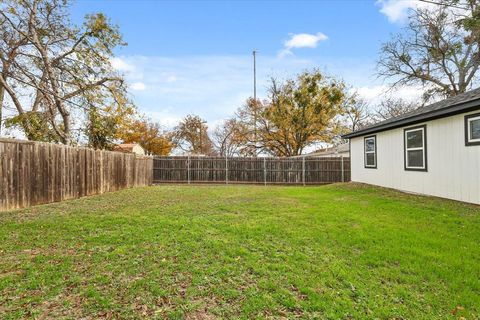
column 265, row 171
column 226, row 169
column 303, row 170
column 188, row 168
column 343, row 175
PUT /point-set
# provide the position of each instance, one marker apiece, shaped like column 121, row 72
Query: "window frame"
column 374, row 137
column 469, row 118
column 423, row 128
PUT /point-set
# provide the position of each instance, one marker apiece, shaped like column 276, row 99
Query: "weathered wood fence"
column 298, row 171
column 34, row 173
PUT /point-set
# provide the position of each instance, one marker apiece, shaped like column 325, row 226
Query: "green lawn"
column 207, row 252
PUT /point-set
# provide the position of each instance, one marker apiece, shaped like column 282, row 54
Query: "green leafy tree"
column 105, row 124
column 298, row 113
column 191, row 135
column 149, row 135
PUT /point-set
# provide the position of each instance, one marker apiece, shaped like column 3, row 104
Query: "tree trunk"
column 2, row 97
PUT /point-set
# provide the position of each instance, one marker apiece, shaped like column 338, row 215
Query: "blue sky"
column 195, row 56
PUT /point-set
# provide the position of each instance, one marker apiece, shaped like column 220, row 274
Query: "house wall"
column 137, row 149
column 453, row 168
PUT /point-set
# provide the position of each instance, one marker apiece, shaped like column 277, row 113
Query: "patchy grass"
column 207, row 252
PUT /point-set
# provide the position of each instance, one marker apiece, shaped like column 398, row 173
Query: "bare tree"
column 11, row 44
column 229, row 138
column 439, row 49
column 357, row 113
column 390, row 108
column 66, row 69
column 251, row 123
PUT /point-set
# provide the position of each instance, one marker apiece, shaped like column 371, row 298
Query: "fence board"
column 296, row 171
column 35, row 173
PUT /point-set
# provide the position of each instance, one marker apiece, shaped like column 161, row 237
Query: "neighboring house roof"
column 461, row 103
column 126, row 147
column 342, row 148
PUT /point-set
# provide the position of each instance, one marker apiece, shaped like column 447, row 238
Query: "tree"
column 149, row 135
column 11, row 43
column 390, row 108
column 298, row 113
column 104, row 125
column 439, row 49
column 56, row 63
column 228, row 138
column 250, row 119
column 356, row 113
column 191, row 135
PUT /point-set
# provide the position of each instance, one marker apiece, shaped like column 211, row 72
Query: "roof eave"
column 432, row 115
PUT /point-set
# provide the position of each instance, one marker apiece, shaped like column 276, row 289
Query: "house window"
column 370, row 145
column 416, row 148
column 472, row 129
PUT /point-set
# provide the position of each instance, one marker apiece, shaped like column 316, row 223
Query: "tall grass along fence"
column 298, row 171
column 34, row 173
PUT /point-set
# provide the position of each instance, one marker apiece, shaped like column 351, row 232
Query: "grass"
column 205, row 252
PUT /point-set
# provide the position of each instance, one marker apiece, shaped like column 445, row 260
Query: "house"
column 434, row 150
column 130, row 148
column 342, row 150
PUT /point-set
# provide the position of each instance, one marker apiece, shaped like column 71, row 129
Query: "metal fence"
column 297, row 171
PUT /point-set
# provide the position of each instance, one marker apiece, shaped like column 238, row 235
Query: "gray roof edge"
column 432, row 115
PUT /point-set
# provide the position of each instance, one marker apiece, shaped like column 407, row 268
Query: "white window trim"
column 374, row 165
column 415, row 149
column 469, row 131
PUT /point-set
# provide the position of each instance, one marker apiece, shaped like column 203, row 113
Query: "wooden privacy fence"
column 34, row 173
column 299, row 171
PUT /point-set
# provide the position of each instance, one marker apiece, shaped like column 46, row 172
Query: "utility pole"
column 255, row 100
column 200, row 133
column 254, row 74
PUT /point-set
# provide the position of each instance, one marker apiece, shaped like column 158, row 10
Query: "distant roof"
column 126, row 147
column 461, row 103
column 345, row 147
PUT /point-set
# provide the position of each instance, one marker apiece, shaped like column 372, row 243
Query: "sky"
column 195, row 57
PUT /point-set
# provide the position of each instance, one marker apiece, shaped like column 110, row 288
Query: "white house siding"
column 453, row 168
column 137, row 149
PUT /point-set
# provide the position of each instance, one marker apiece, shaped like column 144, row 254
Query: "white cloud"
column 397, row 10
column 284, row 52
column 121, row 65
column 213, row 87
column 171, row 79
column 301, row 40
column 304, row 40
column 370, row 93
column 166, row 117
column 376, row 93
column 138, row 86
